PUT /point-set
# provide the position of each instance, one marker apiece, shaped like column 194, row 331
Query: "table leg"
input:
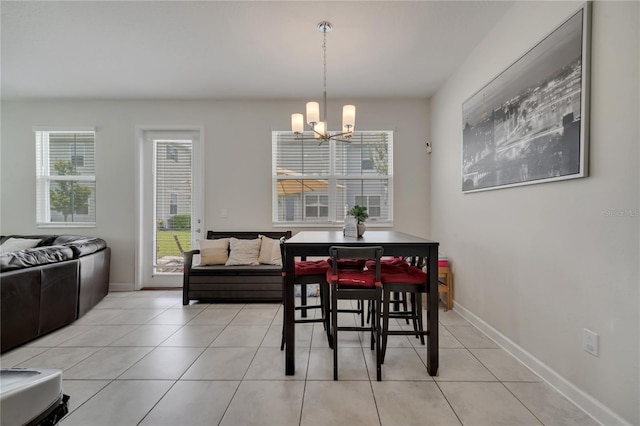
column 432, row 312
column 289, row 315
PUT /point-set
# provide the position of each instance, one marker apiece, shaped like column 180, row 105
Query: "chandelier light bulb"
column 349, row 116
column 313, row 113
column 297, row 123
column 320, row 130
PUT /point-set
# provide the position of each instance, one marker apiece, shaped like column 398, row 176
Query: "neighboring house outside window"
column 173, row 204
column 317, row 183
column 172, row 153
column 316, row 206
column 65, row 177
column 371, row 202
column 172, row 169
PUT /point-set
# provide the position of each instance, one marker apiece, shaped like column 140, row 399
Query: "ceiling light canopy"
column 319, row 128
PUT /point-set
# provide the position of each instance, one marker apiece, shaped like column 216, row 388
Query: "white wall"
column 238, row 161
column 539, row 263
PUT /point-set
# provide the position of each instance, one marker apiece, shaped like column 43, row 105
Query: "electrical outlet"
column 590, row 341
column 224, row 212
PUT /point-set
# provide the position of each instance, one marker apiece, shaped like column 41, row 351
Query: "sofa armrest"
column 86, row 246
column 188, row 262
column 188, row 259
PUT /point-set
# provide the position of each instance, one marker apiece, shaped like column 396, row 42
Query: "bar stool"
column 357, row 265
column 398, row 299
column 309, row 272
column 409, row 279
column 353, row 284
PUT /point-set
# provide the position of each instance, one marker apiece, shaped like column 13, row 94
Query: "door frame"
column 197, row 165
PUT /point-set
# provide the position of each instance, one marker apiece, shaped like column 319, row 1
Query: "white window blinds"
column 318, row 183
column 65, row 176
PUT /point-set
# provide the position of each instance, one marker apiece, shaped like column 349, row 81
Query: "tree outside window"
column 69, row 197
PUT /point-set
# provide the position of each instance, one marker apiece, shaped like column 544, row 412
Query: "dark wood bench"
column 232, row 283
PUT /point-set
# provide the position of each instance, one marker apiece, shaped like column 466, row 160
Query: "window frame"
column 333, row 177
column 44, row 178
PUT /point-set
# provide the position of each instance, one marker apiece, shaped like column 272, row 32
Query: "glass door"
column 170, row 199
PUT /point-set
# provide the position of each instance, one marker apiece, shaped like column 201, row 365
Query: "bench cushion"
column 236, row 270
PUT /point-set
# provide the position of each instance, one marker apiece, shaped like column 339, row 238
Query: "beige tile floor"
column 141, row 358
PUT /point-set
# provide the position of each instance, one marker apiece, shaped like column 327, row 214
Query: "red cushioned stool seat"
column 348, row 278
column 409, row 275
column 348, row 263
column 391, row 263
column 311, row 267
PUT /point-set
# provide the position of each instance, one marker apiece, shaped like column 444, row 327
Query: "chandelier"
column 319, row 128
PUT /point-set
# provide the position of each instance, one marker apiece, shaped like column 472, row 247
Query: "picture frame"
column 530, row 123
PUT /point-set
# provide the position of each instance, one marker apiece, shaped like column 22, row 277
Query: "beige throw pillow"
column 17, row 244
column 214, row 252
column 243, row 252
column 270, row 251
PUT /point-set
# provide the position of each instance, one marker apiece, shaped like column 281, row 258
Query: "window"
column 65, row 176
column 316, row 184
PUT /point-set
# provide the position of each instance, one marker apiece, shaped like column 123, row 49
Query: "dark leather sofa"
column 51, row 285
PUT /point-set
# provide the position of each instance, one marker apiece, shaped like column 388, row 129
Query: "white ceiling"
column 235, row 49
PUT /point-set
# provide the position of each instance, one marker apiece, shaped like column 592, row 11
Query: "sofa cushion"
column 34, row 257
column 80, row 244
column 214, row 252
column 87, row 246
column 243, row 252
column 270, row 251
column 45, row 240
column 16, row 244
column 213, row 270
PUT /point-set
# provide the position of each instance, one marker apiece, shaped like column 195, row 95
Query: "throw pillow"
column 243, row 252
column 270, row 251
column 16, row 244
column 214, row 252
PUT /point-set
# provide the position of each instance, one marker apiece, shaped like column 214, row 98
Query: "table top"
column 369, row 237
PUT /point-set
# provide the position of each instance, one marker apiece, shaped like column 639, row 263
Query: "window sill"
column 66, row 225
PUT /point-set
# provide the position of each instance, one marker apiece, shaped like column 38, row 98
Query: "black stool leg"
column 386, row 306
column 334, row 327
column 303, row 299
column 419, row 313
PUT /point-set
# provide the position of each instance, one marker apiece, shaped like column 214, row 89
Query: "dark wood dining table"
column 317, row 243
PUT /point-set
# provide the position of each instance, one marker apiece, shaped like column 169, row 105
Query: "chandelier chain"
column 324, row 48
column 324, row 87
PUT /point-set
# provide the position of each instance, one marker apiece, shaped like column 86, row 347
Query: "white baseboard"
column 121, row 287
column 586, row 402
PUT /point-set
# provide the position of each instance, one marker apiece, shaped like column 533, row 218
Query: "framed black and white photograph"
column 530, row 123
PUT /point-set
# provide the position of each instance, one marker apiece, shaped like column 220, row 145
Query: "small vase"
column 361, row 229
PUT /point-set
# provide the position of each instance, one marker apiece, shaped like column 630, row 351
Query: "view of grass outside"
column 167, row 244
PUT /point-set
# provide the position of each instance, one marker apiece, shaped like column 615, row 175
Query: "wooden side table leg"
column 449, row 290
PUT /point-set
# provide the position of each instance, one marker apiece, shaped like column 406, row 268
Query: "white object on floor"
column 26, row 393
